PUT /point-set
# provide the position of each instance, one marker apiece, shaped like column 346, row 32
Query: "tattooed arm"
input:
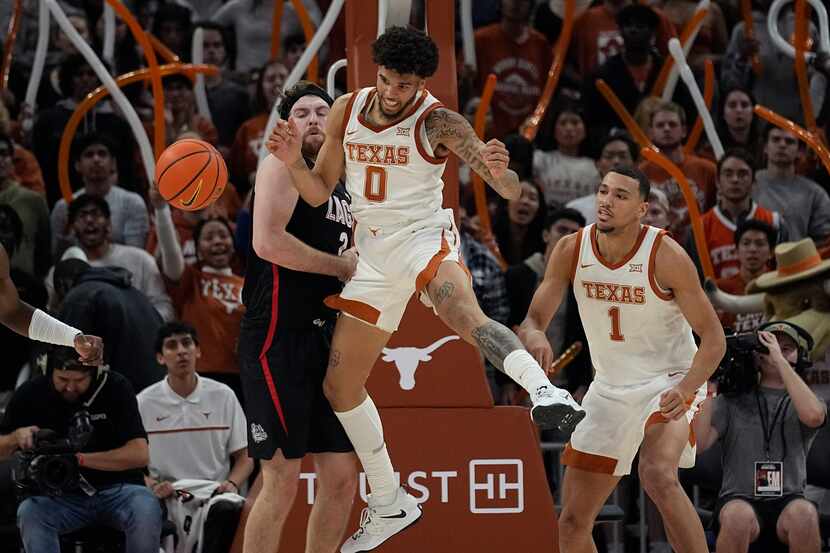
column 447, row 130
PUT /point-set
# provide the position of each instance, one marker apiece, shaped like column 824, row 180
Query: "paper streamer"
column 708, row 94
column 467, row 34
column 310, row 52
column 809, row 138
column 276, row 28
column 633, row 128
column 531, row 126
column 40, row 55
column 786, row 47
column 688, row 40
column 335, row 67
column 96, row 96
column 749, row 33
column 700, row 103
column 802, row 20
column 308, row 31
column 109, row 35
column 8, row 45
column 121, row 101
column 198, row 57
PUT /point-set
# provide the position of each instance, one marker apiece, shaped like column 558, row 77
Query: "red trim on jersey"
column 418, row 124
column 628, row 256
column 575, row 256
column 356, row 309
column 428, row 273
column 652, row 266
column 347, row 114
column 380, row 128
column 588, row 461
column 269, row 338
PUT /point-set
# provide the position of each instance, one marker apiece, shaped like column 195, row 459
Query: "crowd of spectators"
column 117, row 253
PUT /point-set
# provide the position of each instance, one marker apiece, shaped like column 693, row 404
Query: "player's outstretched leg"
column 454, row 301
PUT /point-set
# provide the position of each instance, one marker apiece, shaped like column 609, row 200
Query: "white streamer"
column 302, row 64
column 686, row 73
column 118, row 96
column 786, row 47
column 335, row 67
column 40, row 56
column 109, row 34
column 671, row 82
column 467, row 35
column 383, row 13
column 198, row 51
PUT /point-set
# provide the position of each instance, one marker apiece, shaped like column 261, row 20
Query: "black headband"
column 302, row 88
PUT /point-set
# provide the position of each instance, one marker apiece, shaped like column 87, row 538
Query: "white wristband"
column 45, row 328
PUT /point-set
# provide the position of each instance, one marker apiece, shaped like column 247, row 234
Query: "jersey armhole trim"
column 348, row 114
column 435, row 160
column 665, row 295
column 575, row 256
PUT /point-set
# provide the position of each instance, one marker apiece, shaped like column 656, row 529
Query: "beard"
column 311, row 146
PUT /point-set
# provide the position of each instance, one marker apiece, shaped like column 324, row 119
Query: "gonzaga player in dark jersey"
column 301, row 254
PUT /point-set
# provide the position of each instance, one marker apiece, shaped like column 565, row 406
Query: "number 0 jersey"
column 635, row 329
column 391, row 171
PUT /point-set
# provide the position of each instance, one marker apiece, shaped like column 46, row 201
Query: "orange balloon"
column 749, row 33
column 8, row 45
column 94, row 97
column 276, row 27
column 166, row 53
column 618, row 107
column 811, row 139
column 708, row 94
column 308, row 31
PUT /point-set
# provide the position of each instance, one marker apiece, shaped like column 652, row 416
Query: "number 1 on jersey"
column 375, row 188
column 616, row 334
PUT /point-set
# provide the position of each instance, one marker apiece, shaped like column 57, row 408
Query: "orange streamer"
column 708, row 94
column 531, row 126
column 276, row 28
column 660, row 83
column 155, row 76
column 8, row 45
column 632, row 126
column 308, row 31
column 166, row 53
column 95, row 96
column 809, row 138
column 801, row 37
column 691, row 202
column 478, row 183
column 749, row 33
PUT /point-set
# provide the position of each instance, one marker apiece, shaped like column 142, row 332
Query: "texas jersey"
column 720, row 237
column 635, row 329
column 391, row 171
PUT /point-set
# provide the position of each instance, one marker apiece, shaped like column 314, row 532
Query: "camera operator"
column 766, row 418
column 87, row 470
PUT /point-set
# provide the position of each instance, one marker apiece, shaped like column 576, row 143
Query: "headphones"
column 804, row 342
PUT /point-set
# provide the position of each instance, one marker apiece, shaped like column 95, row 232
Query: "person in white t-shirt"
column 197, row 430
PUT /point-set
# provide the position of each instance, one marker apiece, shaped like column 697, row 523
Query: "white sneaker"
column 378, row 524
column 555, row 408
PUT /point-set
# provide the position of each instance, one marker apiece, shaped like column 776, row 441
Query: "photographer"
column 87, row 470
column 766, row 418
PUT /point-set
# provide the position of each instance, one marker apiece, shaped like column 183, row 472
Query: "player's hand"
column 163, row 489
column 538, row 346
column 495, row 157
column 349, row 264
column 156, row 199
column 90, row 349
column 285, row 142
column 674, row 403
column 25, row 437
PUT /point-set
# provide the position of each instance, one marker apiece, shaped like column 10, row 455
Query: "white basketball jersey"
column 391, row 171
column 634, row 328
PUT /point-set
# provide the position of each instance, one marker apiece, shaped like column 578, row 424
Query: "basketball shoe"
column 555, row 408
column 378, row 524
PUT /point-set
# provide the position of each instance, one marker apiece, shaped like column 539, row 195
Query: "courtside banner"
column 477, row 473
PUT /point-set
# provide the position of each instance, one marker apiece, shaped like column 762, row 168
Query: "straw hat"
column 796, row 261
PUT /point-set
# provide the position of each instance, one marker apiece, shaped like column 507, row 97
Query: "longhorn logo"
column 407, row 359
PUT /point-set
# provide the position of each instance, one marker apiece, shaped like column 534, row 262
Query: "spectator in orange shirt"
column 519, row 57
column 667, row 131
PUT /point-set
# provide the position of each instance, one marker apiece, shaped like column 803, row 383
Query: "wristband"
column 45, row 328
column 80, row 458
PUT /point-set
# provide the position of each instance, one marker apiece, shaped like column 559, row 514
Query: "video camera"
column 737, row 373
column 50, row 467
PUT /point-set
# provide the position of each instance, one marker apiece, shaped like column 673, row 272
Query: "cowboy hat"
column 796, row 261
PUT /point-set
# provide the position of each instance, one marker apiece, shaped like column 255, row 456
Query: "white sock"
column 523, row 368
column 362, row 425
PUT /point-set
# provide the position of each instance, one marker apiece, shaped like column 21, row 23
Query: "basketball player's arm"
column 314, row 185
column 675, row 271
column 448, row 129
column 275, row 200
column 546, row 301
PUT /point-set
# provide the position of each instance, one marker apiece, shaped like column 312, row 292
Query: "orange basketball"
column 191, row 174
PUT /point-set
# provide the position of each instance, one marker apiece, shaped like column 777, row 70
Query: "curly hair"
column 406, row 51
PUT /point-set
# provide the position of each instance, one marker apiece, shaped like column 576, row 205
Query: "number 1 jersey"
column 391, row 171
column 635, row 329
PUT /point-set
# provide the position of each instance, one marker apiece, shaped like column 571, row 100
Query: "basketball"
column 191, row 174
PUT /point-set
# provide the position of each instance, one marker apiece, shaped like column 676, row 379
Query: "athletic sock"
column 362, row 425
column 523, row 368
